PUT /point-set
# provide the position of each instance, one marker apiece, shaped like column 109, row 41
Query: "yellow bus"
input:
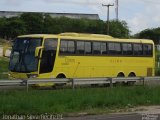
column 75, row 55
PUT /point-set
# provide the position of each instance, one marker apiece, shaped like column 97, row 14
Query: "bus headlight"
column 32, row 75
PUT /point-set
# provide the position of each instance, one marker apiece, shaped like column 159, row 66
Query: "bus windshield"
column 23, row 55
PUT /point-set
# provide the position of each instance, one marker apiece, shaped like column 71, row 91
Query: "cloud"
column 138, row 23
column 141, row 14
column 12, row 2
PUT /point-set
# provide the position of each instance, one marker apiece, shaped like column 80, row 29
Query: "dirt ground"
column 140, row 110
column 136, row 113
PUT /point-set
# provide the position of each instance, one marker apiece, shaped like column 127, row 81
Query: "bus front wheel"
column 61, row 85
column 61, row 76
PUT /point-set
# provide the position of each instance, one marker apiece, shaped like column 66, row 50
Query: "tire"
column 120, row 74
column 59, row 86
column 61, row 76
column 132, row 74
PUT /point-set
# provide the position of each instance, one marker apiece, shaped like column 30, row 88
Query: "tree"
column 2, row 27
column 33, row 22
column 13, row 27
column 36, row 23
column 153, row 34
column 119, row 29
column 48, row 24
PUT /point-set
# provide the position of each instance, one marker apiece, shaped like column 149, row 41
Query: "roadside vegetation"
column 157, row 67
column 4, row 68
column 150, row 33
column 4, row 61
column 90, row 100
column 37, row 23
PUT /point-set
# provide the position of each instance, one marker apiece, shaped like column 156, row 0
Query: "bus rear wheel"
column 121, row 74
column 132, row 74
column 119, row 83
column 131, row 83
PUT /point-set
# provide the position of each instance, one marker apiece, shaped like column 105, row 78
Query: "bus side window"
column 111, row 48
column 127, row 49
column 63, row 47
column 96, row 48
column 147, row 49
column 71, row 47
column 67, row 47
column 50, row 44
column 80, row 47
column 103, row 48
column 88, row 48
column 114, row 48
column 118, row 49
column 138, row 49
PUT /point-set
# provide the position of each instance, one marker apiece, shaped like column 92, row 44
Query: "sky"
column 139, row 14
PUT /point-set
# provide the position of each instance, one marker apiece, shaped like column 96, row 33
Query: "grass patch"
column 80, row 100
column 3, row 67
column 157, row 69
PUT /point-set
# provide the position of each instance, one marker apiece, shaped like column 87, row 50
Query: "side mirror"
column 37, row 50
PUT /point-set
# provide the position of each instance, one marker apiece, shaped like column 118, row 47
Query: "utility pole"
column 117, row 9
column 108, row 5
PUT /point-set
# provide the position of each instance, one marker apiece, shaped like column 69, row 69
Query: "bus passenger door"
column 48, row 55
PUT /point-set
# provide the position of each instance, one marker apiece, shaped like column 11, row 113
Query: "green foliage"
column 11, row 27
column 2, row 27
column 14, row 27
column 119, row 29
column 59, row 25
column 153, row 34
column 3, row 68
column 67, row 100
column 157, row 58
column 36, row 23
column 33, row 22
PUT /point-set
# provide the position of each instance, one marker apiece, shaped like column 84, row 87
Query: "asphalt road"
column 118, row 117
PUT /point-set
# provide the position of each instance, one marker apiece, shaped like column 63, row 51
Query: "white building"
column 9, row 14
